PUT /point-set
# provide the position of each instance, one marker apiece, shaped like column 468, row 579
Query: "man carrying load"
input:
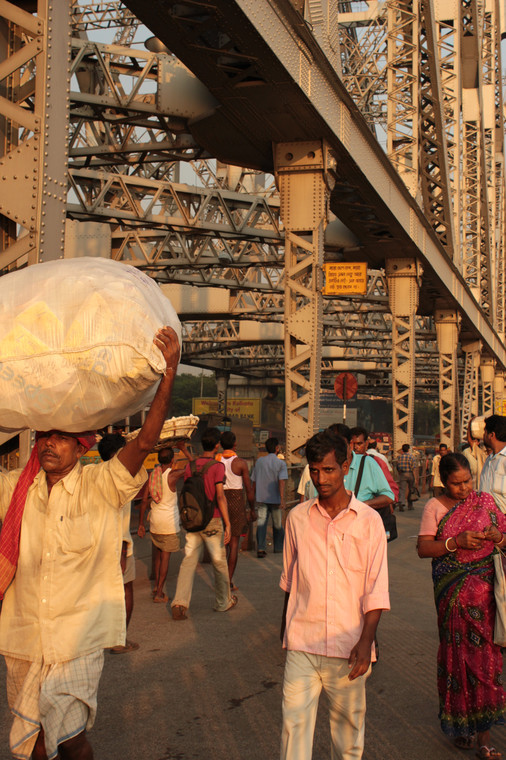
column 61, row 580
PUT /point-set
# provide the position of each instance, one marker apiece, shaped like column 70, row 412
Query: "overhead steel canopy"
column 274, row 83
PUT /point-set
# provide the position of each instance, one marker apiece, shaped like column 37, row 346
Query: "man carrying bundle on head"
column 61, row 579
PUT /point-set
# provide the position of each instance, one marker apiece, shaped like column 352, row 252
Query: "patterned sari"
column 469, row 664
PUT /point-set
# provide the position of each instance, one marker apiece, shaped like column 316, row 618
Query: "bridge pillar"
column 447, row 329
column 487, row 385
column 499, row 392
column 222, row 378
column 34, row 143
column 302, row 176
column 403, row 276
column 470, row 406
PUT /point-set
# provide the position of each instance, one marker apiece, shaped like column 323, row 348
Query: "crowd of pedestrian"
column 66, row 554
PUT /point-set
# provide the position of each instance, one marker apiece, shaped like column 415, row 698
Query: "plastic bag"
column 76, row 344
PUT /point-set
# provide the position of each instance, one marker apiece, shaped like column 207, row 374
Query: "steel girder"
column 34, row 107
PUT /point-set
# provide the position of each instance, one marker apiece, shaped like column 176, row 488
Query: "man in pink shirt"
column 336, row 581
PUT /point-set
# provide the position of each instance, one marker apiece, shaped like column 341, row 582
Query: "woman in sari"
column 460, row 530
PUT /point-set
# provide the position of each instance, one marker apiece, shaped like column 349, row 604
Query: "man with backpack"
column 215, row 534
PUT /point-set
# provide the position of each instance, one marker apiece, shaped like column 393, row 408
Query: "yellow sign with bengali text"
column 247, row 408
column 345, row 278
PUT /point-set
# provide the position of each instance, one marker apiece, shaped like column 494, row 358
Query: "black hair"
column 451, row 463
column 270, row 445
column 322, row 444
column 109, row 445
column 166, row 455
column 405, row 447
column 227, row 439
column 496, row 423
column 359, row 431
column 210, row 437
column 339, row 429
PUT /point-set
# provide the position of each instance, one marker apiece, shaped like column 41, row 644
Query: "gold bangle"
column 448, row 548
column 501, row 542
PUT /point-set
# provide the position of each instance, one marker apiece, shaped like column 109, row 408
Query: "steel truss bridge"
column 249, row 143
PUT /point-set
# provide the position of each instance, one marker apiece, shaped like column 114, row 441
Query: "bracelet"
column 448, row 548
column 501, row 542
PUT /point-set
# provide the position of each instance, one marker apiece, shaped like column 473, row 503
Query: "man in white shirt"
column 435, row 480
column 493, row 475
column 61, row 580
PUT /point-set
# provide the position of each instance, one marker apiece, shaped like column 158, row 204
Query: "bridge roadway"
column 210, row 687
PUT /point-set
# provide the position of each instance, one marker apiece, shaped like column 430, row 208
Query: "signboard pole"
column 345, row 396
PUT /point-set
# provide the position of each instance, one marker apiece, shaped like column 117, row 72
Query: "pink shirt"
column 336, row 571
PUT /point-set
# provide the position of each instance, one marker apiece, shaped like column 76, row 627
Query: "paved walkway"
column 209, row 688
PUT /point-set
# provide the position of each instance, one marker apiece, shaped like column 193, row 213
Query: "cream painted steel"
column 499, row 394
column 302, row 174
column 447, row 328
column 34, row 171
column 222, row 379
column 434, row 165
column 403, row 277
column 470, row 396
column 448, row 40
column 476, row 216
column 403, row 90
column 487, row 384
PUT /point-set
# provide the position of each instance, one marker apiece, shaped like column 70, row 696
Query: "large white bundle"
column 76, row 344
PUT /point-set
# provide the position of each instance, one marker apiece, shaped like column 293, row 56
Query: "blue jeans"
column 278, row 532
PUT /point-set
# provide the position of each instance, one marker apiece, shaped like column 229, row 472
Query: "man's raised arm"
column 135, row 451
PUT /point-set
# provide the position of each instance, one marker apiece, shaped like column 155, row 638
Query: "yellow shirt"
column 67, row 597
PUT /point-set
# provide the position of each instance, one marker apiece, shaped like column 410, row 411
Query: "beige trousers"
column 305, row 677
column 212, row 537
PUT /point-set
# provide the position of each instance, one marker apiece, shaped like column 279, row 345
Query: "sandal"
column 161, row 599
column 488, row 753
column 179, row 612
column 129, row 646
column 232, row 603
column 465, row 742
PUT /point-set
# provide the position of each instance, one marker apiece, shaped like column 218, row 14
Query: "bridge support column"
column 222, row 378
column 34, row 143
column 403, row 276
column 301, row 170
column 447, row 328
column 487, row 385
column 470, row 399
column 499, row 392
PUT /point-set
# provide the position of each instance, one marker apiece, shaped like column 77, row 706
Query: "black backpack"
column 195, row 509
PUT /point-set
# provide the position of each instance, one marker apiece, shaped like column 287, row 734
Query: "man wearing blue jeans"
column 269, row 476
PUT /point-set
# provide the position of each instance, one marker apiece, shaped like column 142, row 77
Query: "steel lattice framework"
column 147, row 154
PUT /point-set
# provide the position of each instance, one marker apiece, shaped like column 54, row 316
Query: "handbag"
column 388, row 517
column 500, row 600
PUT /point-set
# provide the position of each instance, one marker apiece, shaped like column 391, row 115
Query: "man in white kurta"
column 65, row 603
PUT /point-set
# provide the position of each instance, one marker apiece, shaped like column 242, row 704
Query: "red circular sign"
column 345, row 385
